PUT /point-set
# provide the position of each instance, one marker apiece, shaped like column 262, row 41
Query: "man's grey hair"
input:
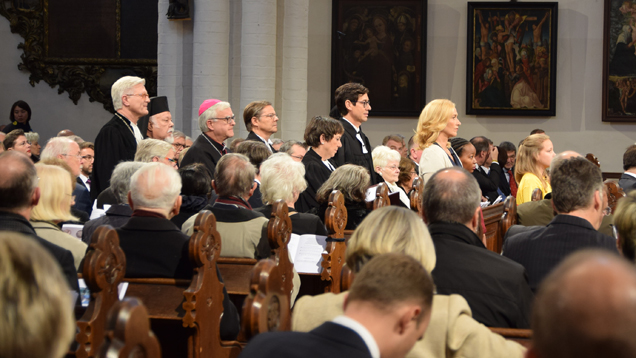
column 234, row 175
column 574, row 183
column 150, row 148
column 211, row 113
column 55, row 147
column 288, row 146
column 32, row 137
column 282, row 178
column 120, row 179
column 155, row 186
column 178, row 134
column 450, row 199
column 120, row 88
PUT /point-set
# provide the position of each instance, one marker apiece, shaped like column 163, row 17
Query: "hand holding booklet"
column 305, row 252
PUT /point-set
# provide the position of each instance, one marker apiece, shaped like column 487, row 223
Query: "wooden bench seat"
column 128, row 332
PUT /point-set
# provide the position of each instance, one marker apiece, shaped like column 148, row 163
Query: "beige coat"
column 51, row 233
column 452, row 332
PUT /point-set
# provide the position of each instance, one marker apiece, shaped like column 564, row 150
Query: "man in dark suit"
column 153, row 245
column 488, row 171
column 507, row 158
column 117, row 140
column 257, row 152
column 261, row 120
column 216, row 122
column 585, row 308
column 496, row 288
column 353, row 104
column 578, row 199
column 20, row 193
column 628, row 179
column 414, row 153
column 386, row 312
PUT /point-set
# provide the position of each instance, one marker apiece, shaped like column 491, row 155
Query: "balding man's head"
column 563, row 156
column 234, row 176
column 451, row 195
column 18, row 182
column 586, row 308
column 156, row 186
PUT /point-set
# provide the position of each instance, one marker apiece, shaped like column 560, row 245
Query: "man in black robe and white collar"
column 117, row 140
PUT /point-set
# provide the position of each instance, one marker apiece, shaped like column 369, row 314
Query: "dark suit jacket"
column 83, row 200
column 155, row 248
column 302, row 223
column 316, row 174
column 202, row 151
column 627, row 183
column 542, row 249
column 116, row 216
column 17, row 223
column 504, row 184
column 106, row 197
column 329, row 340
column 489, row 183
column 114, row 143
column 351, row 150
column 253, row 136
column 256, row 200
column 495, row 287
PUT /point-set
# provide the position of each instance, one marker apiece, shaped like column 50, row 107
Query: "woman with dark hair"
column 196, row 188
column 466, row 152
column 323, row 136
column 407, row 174
column 20, row 117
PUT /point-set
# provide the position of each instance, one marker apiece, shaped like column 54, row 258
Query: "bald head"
column 65, row 133
column 155, row 187
column 563, row 156
column 451, row 195
column 17, row 182
column 586, row 308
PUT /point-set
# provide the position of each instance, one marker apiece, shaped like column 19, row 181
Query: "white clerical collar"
column 364, row 333
column 631, row 174
column 328, row 165
column 357, row 128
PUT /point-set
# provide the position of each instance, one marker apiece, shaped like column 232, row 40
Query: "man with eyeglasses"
column 261, row 120
column 117, row 140
column 580, row 203
column 216, row 122
column 352, row 100
column 158, row 123
column 87, row 155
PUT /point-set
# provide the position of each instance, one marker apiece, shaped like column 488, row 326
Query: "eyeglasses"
column 178, row 145
column 299, row 157
column 392, row 167
column 364, row 103
column 73, row 155
column 142, row 95
column 88, row 157
column 271, row 115
column 228, row 119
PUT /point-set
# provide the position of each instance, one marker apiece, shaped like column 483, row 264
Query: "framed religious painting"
column 619, row 61
column 382, row 45
column 511, row 58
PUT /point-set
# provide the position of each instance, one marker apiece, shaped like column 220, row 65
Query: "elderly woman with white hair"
column 283, row 178
column 386, row 162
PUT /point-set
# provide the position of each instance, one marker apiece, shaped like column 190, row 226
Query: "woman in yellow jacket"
column 533, row 160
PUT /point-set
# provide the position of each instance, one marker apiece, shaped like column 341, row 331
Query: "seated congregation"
column 436, row 246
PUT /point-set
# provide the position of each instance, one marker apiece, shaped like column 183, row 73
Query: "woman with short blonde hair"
column 56, row 197
column 386, row 163
column 533, row 160
column 437, row 124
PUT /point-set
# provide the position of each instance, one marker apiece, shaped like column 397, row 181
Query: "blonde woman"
column 452, row 332
column 352, row 181
column 437, row 124
column 533, row 159
column 56, row 197
column 386, row 163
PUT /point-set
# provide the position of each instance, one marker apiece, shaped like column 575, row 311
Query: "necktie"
column 513, row 183
column 88, row 181
column 224, row 150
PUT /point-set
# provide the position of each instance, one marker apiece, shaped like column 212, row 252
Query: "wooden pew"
column 521, row 336
column 537, row 195
column 103, row 270
column 186, row 314
column 614, row 193
column 416, row 195
column 492, row 219
column 128, row 332
column 508, row 218
column 237, row 272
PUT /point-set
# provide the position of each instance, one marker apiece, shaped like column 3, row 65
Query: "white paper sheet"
column 306, row 252
column 73, row 230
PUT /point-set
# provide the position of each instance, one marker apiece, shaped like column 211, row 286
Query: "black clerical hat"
column 158, row 105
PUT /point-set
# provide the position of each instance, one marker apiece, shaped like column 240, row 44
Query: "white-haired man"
column 65, row 149
column 153, row 245
column 216, row 121
column 158, row 123
column 117, row 140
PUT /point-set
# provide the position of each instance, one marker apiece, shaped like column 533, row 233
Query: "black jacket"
column 489, row 183
column 17, row 223
column 316, row 174
column 252, row 136
column 302, row 223
column 495, row 287
column 542, row 248
column 204, row 152
column 116, row 216
column 351, row 150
